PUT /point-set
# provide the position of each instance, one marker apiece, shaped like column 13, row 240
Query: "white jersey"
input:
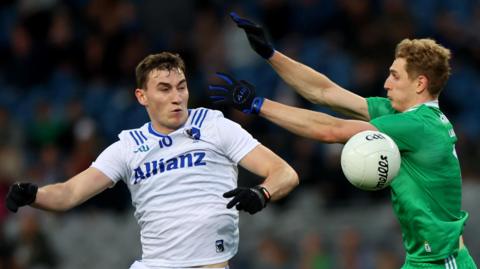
column 176, row 182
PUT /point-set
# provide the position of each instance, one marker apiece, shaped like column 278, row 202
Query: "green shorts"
column 462, row 260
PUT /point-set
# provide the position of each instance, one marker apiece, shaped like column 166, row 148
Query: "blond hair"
column 426, row 57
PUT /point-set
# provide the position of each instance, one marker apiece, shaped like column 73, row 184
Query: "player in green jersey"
column 426, row 194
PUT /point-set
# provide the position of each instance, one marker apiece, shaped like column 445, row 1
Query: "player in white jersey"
column 180, row 167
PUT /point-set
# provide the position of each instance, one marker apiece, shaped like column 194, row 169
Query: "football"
column 370, row 160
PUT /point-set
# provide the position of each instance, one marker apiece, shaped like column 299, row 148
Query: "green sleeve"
column 404, row 128
column 379, row 106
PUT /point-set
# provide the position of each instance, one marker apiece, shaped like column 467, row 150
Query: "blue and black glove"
column 250, row 200
column 256, row 36
column 238, row 94
column 20, row 194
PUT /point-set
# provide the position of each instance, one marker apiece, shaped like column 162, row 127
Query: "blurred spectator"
column 386, row 258
column 7, row 260
column 11, row 155
column 48, row 167
column 11, row 134
column 313, row 254
column 274, row 254
column 33, row 250
column 353, row 252
column 47, row 126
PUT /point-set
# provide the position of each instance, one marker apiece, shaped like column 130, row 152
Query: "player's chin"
column 400, row 108
column 177, row 121
column 394, row 104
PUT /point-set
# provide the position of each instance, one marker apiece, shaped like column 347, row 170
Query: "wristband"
column 265, row 193
column 257, row 105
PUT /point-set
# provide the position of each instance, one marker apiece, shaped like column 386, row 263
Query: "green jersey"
column 427, row 192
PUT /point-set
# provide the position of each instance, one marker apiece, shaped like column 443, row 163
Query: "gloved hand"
column 250, row 200
column 256, row 36
column 21, row 194
column 238, row 94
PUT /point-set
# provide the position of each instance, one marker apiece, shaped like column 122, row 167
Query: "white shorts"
column 140, row 265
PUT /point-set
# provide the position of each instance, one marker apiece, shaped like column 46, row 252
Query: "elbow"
column 59, row 209
column 65, row 207
column 69, row 200
column 312, row 97
column 293, row 179
column 335, row 132
column 326, row 135
column 284, row 181
column 288, row 180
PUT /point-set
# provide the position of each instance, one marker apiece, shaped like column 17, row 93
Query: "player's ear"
column 141, row 96
column 422, row 83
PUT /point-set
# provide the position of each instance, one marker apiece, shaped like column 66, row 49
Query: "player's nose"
column 177, row 97
column 386, row 85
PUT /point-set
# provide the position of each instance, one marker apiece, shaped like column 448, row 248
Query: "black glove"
column 256, row 36
column 21, row 194
column 251, row 200
column 238, row 94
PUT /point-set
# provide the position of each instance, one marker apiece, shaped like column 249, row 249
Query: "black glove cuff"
column 33, row 190
column 266, row 52
column 263, row 194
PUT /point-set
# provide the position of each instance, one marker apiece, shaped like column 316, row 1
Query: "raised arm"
column 312, row 85
column 318, row 88
column 60, row 196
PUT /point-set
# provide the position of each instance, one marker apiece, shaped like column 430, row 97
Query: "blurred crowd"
column 67, row 82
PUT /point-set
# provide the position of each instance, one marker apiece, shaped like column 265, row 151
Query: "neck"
column 419, row 99
column 431, row 102
column 159, row 129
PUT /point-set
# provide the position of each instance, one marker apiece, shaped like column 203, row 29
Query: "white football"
column 370, row 160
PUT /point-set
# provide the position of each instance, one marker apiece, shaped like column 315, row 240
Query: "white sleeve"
column 111, row 162
column 235, row 141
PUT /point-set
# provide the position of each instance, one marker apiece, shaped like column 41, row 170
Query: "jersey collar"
column 154, row 132
column 432, row 103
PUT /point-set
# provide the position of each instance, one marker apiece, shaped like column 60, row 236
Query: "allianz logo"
column 160, row 166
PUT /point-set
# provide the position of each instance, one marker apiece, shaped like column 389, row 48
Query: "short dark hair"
column 161, row 61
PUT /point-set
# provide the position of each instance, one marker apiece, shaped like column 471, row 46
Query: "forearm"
column 55, row 197
column 306, row 123
column 78, row 189
column 281, row 181
column 311, row 124
column 318, row 88
column 304, row 80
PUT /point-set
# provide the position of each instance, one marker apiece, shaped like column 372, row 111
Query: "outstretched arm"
column 60, row 196
column 78, row 189
column 241, row 95
column 312, row 124
column 312, row 85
